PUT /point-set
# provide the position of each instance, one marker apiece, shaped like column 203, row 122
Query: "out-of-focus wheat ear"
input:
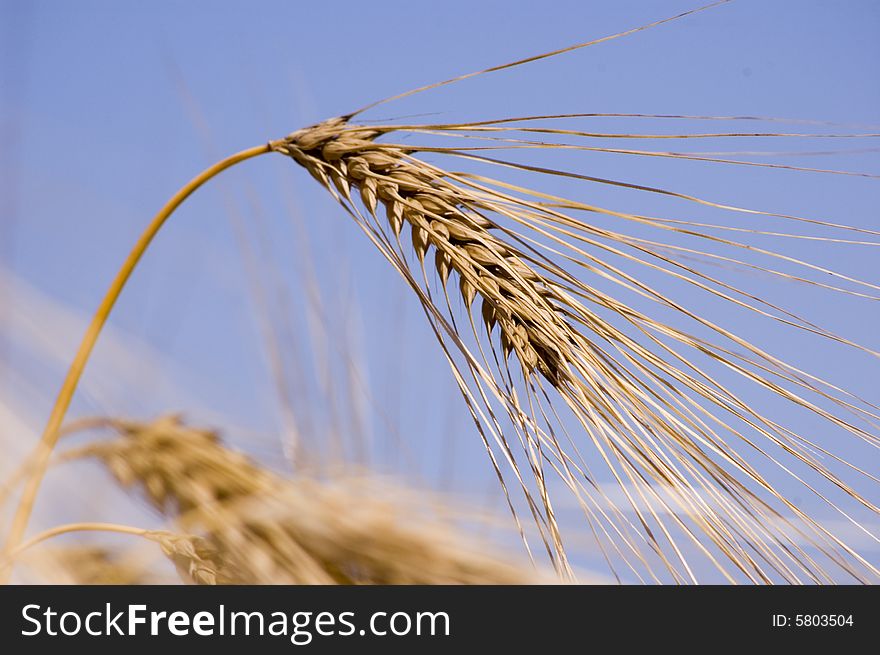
column 245, row 524
column 179, row 468
column 196, row 560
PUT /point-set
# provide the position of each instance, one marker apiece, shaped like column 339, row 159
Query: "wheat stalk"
column 194, row 558
column 645, row 392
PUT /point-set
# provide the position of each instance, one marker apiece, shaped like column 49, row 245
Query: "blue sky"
column 107, row 107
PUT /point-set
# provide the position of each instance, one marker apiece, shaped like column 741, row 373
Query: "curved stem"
column 20, row 473
column 8, row 559
column 40, row 457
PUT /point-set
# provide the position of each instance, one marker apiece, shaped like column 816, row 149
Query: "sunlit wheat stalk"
column 673, row 436
column 194, row 558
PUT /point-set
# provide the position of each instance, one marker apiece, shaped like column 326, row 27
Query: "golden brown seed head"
column 443, row 216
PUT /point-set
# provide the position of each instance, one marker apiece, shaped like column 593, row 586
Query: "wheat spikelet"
column 196, row 560
column 246, row 525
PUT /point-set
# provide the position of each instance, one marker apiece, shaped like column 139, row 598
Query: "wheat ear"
column 245, row 524
column 538, row 307
column 642, row 390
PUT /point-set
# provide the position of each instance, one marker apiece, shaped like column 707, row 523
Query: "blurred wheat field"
column 656, row 374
